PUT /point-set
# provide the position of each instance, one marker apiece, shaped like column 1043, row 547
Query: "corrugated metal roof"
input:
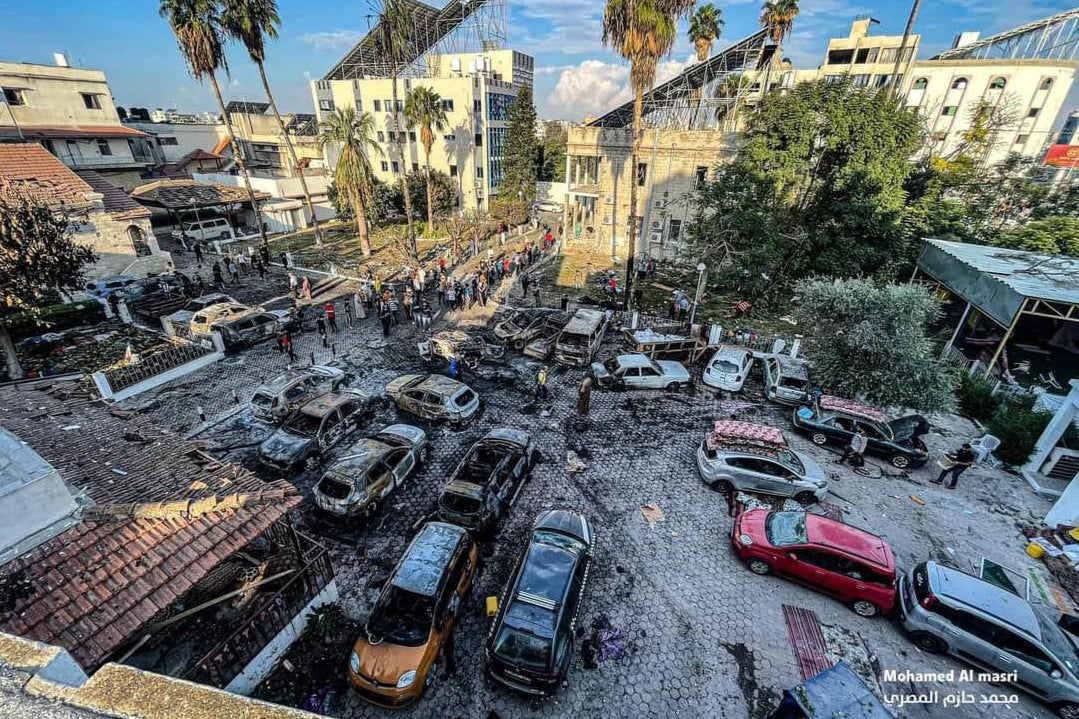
column 1047, row 277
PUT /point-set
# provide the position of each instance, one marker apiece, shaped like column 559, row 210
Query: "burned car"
column 530, row 645
column 468, row 348
column 283, row 394
column 182, row 318
column 370, row 471
column 487, row 481
column 316, row 427
column 786, row 379
column 638, row 372
column 834, row 420
column 522, row 326
column 244, row 330
column 434, row 397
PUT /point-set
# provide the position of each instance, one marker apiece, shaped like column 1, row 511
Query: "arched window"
column 998, row 83
column 138, row 240
column 920, row 83
column 960, row 83
column 1046, row 83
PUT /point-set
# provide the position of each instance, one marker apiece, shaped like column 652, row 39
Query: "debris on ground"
column 652, row 514
column 574, row 463
column 917, row 499
column 605, row 644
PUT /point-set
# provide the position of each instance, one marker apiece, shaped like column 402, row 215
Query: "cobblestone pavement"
column 706, row 637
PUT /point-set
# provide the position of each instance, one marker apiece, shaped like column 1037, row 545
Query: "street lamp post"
column 701, row 267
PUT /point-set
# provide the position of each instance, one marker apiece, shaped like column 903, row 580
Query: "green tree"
column 198, row 29
column 38, row 258
column 1051, row 235
column 397, row 22
column 873, row 344
column 705, row 27
column 423, row 109
column 641, row 31
column 432, row 186
column 251, row 22
column 729, row 93
column 777, row 19
column 353, row 136
column 551, row 159
column 519, row 158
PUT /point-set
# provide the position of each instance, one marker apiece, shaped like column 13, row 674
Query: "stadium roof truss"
column 1052, row 38
column 437, row 31
column 691, row 99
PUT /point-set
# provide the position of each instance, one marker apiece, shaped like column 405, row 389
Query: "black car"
column 898, row 441
column 530, row 645
column 158, row 287
column 316, row 427
column 487, row 480
column 241, row 331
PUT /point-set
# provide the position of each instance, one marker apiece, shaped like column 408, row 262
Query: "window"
column 359, row 105
column 453, row 170
column 920, row 83
column 887, row 54
column 701, row 176
column 998, row 83
column 381, row 136
column 866, row 55
column 447, row 105
column 1024, row 650
column 1033, row 112
column 14, row 97
column 396, row 167
column 1046, row 84
column 400, row 105
column 479, row 140
column 449, row 138
column 393, row 136
column 385, row 166
column 986, row 631
column 167, row 141
column 498, row 106
column 386, row 105
column 479, row 172
column 411, row 136
column 882, row 80
column 949, row 110
column 326, row 105
column 675, row 229
column 960, row 83
column 378, row 106
column 477, row 105
column 91, row 100
column 415, row 167
column 860, row 80
column 103, row 148
column 840, row 57
column 642, row 173
column 1021, row 139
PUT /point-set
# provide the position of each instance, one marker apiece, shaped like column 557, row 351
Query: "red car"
column 854, row 566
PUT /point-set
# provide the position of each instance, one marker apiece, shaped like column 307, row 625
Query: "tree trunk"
column 237, row 156
column 14, row 369
column 361, row 222
column 638, row 112
column 410, row 239
column 430, row 204
column 292, row 155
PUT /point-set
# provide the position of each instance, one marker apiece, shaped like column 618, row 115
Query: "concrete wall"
column 111, row 240
column 53, row 96
column 283, row 187
column 178, row 139
column 553, row 191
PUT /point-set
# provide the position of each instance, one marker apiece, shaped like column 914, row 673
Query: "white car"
column 637, row 371
column 728, row 368
column 547, row 206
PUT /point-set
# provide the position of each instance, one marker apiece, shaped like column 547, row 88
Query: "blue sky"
column 576, row 75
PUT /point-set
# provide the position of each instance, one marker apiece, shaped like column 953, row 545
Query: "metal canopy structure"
column 247, row 108
column 433, row 31
column 1052, row 38
column 691, row 99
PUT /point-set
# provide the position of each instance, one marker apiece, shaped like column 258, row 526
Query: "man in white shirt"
column 857, row 446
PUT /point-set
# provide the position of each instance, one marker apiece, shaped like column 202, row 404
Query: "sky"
column 575, row 75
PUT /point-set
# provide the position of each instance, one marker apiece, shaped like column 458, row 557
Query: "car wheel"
column 820, row 439
column 1068, row 710
column 722, row 486
column 805, row 498
column 929, row 643
column 759, row 566
column 372, row 508
column 900, row 461
column 674, row 387
column 864, row 608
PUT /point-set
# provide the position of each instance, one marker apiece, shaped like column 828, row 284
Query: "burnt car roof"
column 323, row 404
column 360, row 456
column 508, row 434
column 427, row 558
column 792, row 367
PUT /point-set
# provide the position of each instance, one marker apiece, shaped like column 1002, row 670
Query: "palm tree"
column 353, row 134
column 197, row 26
column 777, row 20
column 641, row 31
column 729, row 93
column 251, row 22
column 396, row 35
column 705, row 27
column 423, row 109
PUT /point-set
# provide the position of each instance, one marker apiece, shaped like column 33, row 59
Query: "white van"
column 217, row 228
column 580, row 338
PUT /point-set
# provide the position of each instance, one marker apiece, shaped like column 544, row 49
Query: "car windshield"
column 786, row 528
column 792, row 382
column 460, row 503
column 611, row 365
column 262, row 400
column 303, row 424
column 790, row 459
column 401, row 617
column 464, row 398
column 521, row 647
column 1057, row 643
column 725, row 366
column 334, row 488
column 558, row 539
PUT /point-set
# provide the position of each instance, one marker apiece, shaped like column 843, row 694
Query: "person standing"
column 963, row 458
column 385, row 317
column 331, row 316
column 264, row 251
column 243, row 263
column 450, row 294
column 293, row 284
column 584, row 396
column 286, row 343
column 441, row 290
column 395, row 309
column 284, row 259
column 856, row 447
column 200, row 286
column 261, row 268
column 541, row 383
column 320, row 325
column 425, row 315
column 348, row 310
column 307, row 287
column 408, row 304
column 481, row 289
column 525, row 281
column 683, row 308
column 198, row 253
column 234, row 272
column 219, row 280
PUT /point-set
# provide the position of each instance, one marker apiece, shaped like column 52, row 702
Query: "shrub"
column 1017, row 425
column 975, row 398
column 56, row 318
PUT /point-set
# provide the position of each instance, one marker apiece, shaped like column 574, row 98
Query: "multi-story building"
column 869, row 60
column 71, row 112
column 477, row 90
column 1069, row 133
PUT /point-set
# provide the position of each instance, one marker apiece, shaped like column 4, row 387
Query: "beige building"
column 70, row 111
column 476, row 90
column 869, row 60
column 671, row 165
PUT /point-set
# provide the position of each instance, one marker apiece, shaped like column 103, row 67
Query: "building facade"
column 70, row 111
column 869, row 60
column 477, row 90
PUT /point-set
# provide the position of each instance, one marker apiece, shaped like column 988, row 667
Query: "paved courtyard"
column 705, row 637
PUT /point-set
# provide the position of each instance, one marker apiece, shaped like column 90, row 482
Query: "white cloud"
column 594, row 87
column 332, row 41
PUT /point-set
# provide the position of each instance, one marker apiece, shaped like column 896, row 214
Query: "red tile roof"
column 29, row 171
column 181, row 194
column 92, row 588
column 117, row 202
column 55, row 132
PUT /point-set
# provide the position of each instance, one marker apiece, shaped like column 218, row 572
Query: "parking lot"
column 702, row 635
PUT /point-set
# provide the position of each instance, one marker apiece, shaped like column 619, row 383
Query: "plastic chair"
column 983, row 449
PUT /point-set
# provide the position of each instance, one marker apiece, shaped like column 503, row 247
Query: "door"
column 747, row 475
column 969, row 636
column 879, row 441
column 331, row 430
column 651, row 378
column 400, row 462
column 412, row 401
column 380, row 480
column 822, row 570
column 1033, row 665
column 774, row 478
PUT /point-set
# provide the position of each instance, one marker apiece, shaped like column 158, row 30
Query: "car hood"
column 385, row 662
column 813, row 471
column 283, row 447
column 673, row 369
column 505, row 330
column 752, row 522
column 906, row 427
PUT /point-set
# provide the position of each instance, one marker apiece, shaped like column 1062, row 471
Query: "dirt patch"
column 760, row 701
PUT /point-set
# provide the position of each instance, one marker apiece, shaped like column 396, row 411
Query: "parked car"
column 752, row 457
column 415, row 613
column 542, row 344
column 370, row 471
column 579, row 340
column 244, row 330
column 850, row 564
column 835, row 420
column 202, row 321
column 728, row 368
column 547, row 206
column 530, row 645
column 434, row 397
column 786, row 379
column 107, row 285
column 486, row 482
column 948, row 611
column 279, row 397
column 523, row 326
column 639, row 372
column 316, row 427
column 208, row 228
column 183, row 317
column 156, row 287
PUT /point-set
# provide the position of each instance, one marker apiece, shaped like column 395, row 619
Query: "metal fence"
column 155, row 362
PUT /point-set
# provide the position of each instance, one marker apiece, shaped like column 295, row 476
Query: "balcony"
column 107, row 162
